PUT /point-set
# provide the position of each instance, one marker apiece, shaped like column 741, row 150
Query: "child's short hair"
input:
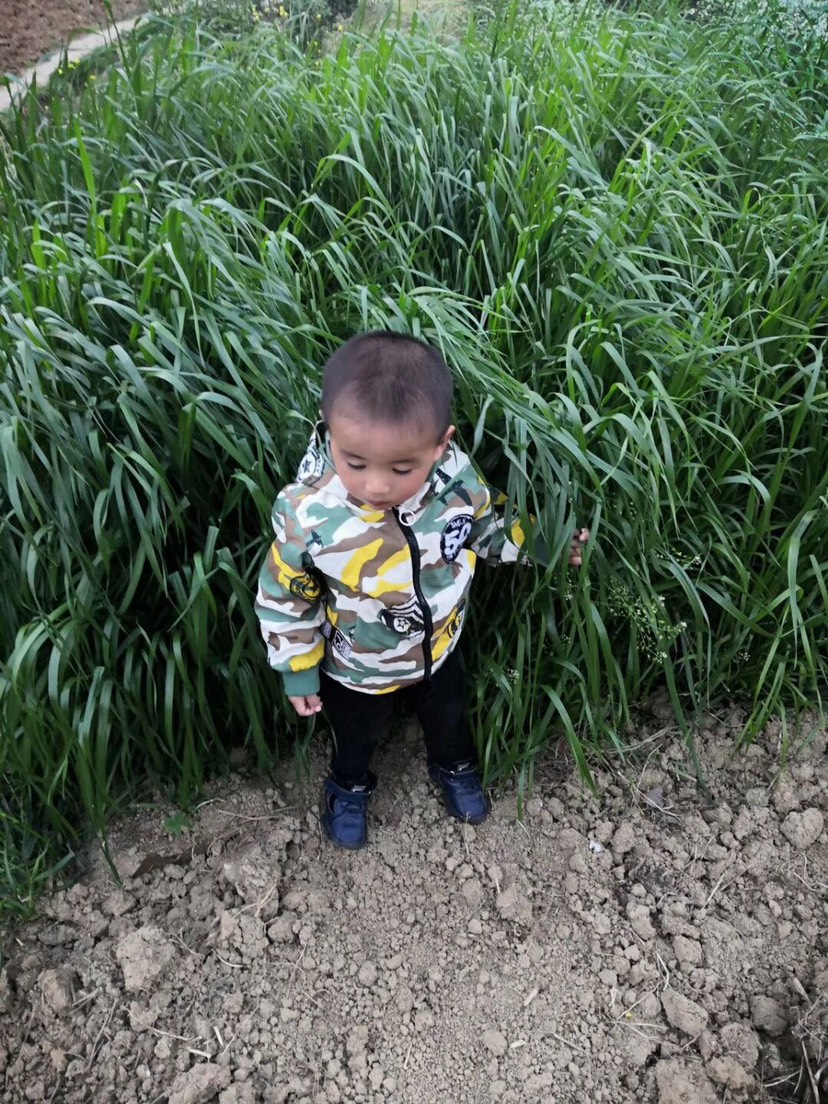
column 389, row 377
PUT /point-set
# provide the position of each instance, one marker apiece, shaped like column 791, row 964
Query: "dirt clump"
column 144, row 956
column 657, row 946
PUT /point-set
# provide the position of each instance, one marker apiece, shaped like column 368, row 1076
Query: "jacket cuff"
column 298, row 684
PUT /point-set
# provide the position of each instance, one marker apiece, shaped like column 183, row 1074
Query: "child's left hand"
column 576, row 548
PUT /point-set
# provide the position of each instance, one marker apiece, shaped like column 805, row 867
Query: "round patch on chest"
column 454, row 536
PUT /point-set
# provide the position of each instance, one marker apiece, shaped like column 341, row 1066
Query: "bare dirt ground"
column 31, row 28
column 658, row 946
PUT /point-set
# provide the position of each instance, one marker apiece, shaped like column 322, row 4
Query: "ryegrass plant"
column 612, row 223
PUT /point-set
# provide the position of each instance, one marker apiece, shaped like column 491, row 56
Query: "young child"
column 363, row 594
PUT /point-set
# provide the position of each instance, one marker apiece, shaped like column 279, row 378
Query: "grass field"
column 613, row 224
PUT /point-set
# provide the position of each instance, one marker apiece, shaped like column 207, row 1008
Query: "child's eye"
column 355, row 467
column 399, row 471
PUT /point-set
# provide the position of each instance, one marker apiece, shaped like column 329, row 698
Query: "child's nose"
column 377, row 487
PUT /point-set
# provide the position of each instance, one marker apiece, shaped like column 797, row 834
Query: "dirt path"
column 657, row 948
column 31, row 28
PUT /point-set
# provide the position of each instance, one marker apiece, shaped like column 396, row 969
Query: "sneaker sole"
column 464, row 819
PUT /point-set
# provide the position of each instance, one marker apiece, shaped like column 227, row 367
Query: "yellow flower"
column 92, row 76
column 339, row 27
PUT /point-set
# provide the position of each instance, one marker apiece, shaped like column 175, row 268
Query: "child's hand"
column 307, row 705
column 576, row 549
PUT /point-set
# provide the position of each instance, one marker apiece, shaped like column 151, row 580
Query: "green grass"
column 612, row 223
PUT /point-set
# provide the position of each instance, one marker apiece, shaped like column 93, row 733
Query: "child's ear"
column 447, row 436
column 441, row 446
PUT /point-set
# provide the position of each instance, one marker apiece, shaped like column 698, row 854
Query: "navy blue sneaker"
column 344, row 816
column 463, row 791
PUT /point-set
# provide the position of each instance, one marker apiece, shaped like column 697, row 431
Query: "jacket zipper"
column 414, row 549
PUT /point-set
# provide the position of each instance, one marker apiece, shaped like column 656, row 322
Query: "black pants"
column 360, row 721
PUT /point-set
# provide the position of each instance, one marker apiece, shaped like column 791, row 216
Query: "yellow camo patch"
column 440, row 645
column 448, row 633
column 353, row 569
column 285, row 571
column 391, row 564
column 306, row 660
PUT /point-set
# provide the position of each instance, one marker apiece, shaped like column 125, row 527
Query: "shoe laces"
column 344, row 804
column 466, row 781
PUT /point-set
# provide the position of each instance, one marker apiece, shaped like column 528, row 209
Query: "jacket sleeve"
column 492, row 539
column 290, row 606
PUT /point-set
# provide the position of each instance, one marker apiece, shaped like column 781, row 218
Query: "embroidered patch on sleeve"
column 454, row 536
column 305, row 587
column 312, row 466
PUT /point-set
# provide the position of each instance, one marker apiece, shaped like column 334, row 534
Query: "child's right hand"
column 307, row 705
column 576, row 548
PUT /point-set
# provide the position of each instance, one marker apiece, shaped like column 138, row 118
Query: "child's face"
column 382, row 464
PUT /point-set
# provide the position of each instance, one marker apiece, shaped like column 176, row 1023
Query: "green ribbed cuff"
column 298, row 684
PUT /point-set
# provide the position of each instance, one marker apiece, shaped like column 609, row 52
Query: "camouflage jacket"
column 377, row 598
